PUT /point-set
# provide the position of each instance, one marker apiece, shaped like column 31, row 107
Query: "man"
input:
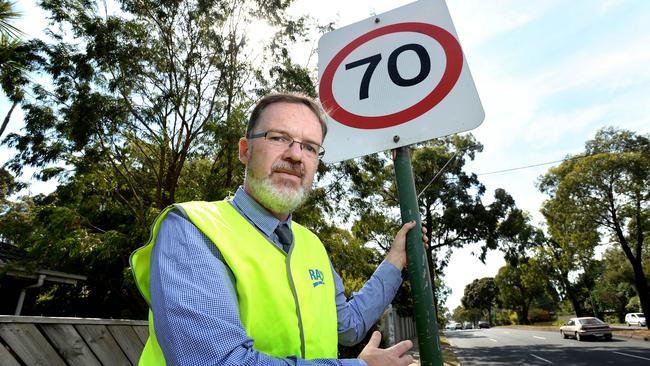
column 236, row 282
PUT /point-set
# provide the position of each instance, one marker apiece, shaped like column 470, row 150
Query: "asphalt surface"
column 503, row 346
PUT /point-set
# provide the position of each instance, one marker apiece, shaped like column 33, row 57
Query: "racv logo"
column 317, row 276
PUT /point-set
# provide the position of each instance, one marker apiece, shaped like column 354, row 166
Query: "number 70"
column 395, row 77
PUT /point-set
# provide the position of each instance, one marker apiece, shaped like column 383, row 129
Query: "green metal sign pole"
column 418, row 268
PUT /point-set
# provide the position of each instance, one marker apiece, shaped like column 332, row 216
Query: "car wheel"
column 564, row 334
column 608, row 337
column 578, row 336
column 628, row 324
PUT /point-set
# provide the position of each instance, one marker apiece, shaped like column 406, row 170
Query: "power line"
column 527, row 166
column 550, row 162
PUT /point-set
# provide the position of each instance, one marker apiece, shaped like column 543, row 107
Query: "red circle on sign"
column 454, row 58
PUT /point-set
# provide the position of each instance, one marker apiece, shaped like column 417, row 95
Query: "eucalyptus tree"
column 606, row 190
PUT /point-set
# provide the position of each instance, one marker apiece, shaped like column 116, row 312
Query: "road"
column 503, row 346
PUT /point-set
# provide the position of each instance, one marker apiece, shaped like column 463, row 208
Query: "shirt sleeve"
column 194, row 302
column 357, row 314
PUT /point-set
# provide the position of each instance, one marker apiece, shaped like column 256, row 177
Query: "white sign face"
column 393, row 80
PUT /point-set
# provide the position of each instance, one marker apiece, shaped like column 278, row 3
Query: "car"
column 581, row 328
column 468, row 325
column 483, row 324
column 635, row 319
column 453, row 326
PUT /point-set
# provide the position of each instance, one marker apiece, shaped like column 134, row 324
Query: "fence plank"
column 142, row 332
column 70, row 344
column 29, row 345
column 6, row 357
column 128, row 341
column 103, row 345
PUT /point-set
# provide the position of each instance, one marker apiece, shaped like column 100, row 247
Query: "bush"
column 514, row 318
column 611, row 318
column 537, row 315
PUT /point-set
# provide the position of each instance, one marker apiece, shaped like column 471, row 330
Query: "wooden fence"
column 28, row 340
column 397, row 328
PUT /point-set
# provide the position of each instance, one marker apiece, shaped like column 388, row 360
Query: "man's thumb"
column 375, row 339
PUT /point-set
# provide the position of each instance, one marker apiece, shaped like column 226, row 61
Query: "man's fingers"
column 401, row 347
column 375, row 339
column 406, row 227
column 406, row 360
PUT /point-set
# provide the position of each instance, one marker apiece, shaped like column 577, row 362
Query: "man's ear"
column 243, row 150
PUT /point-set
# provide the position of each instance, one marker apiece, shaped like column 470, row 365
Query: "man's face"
column 279, row 177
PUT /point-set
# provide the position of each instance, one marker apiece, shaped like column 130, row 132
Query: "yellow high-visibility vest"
column 286, row 301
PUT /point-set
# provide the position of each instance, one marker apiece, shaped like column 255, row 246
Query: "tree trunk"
column 641, row 285
column 7, row 117
column 575, row 302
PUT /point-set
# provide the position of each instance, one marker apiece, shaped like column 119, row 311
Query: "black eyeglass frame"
column 321, row 150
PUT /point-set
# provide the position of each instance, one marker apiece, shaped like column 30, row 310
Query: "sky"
column 549, row 75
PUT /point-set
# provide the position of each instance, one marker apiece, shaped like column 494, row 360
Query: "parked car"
column 483, row 324
column 581, row 328
column 454, row 326
column 468, row 325
column 635, row 319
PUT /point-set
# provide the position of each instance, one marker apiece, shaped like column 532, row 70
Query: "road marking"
column 543, row 359
column 628, row 355
column 539, row 337
column 493, row 340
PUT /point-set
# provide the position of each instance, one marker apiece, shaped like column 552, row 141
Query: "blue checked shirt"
column 194, row 301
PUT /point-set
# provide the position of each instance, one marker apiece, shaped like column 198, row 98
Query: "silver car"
column 581, row 328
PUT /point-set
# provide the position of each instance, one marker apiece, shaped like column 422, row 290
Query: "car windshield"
column 591, row 321
column 640, row 315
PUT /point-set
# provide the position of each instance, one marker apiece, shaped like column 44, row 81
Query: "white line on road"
column 543, row 359
column 628, row 355
column 493, row 340
column 539, row 337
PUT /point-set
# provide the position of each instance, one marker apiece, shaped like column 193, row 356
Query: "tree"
column 143, row 107
column 607, row 190
column 567, row 262
column 614, row 288
column 481, row 294
column 520, row 285
column 451, row 204
column 144, row 90
column 16, row 60
column 7, row 13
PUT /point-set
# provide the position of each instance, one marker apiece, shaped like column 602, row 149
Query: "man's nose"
column 294, row 152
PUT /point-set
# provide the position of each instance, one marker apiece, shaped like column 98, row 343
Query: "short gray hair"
column 286, row 98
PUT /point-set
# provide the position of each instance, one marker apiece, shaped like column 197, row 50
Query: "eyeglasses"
column 312, row 149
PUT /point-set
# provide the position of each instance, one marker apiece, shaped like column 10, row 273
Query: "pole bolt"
column 395, row 139
column 376, row 20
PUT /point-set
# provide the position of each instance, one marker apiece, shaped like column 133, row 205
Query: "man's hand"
column 397, row 253
column 393, row 356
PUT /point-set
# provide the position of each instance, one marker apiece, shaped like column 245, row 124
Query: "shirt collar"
column 255, row 213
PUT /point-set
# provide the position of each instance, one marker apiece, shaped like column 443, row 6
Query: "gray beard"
column 282, row 199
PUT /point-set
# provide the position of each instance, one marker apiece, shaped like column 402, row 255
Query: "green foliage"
column 605, row 192
column 537, row 315
column 482, row 294
column 139, row 108
column 520, row 286
column 7, row 13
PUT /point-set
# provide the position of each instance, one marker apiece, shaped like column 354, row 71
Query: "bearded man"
column 237, row 282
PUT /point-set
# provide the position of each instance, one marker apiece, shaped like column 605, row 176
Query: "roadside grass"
column 448, row 357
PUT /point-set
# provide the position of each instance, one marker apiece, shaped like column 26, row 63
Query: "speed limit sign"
column 393, row 80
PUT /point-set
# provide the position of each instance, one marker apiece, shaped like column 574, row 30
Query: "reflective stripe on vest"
column 286, row 302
